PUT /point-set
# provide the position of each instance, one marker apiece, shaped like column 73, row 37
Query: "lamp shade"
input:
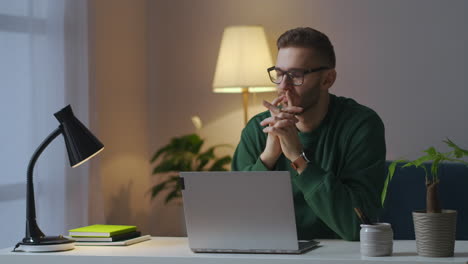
column 81, row 144
column 243, row 59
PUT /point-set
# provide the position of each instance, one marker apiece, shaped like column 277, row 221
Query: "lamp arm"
column 32, row 229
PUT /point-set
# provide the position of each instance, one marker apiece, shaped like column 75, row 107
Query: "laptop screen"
column 239, row 210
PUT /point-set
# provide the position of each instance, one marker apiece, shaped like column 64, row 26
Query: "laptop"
column 241, row 212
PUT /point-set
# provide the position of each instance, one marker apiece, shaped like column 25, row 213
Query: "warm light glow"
column 239, row 89
column 243, row 59
column 78, row 164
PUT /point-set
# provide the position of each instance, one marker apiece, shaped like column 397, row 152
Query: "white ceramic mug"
column 376, row 240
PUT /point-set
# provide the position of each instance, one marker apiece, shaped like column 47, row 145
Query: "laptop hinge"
column 182, row 183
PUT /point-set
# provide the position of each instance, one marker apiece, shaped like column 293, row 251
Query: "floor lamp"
column 243, row 59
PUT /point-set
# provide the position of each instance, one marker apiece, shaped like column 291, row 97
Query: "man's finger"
column 284, row 123
column 271, row 107
column 277, row 130
column 284, row 115
column 288, row 97
column 268, row 121
column 273, row 130
column 292, row 110
column 284, row 102
column 278, row 100
column 274, row 119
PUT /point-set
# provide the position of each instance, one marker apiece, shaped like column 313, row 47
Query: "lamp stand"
column 245, row 103
column 35, row 240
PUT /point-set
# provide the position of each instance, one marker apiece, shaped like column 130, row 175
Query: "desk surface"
column 175, row 250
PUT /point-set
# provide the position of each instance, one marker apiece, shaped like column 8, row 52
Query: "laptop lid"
column 239, row 211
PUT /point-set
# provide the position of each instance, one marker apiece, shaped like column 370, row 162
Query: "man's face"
column 308, row 94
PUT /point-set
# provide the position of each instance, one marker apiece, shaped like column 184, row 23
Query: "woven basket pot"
column 435, row 233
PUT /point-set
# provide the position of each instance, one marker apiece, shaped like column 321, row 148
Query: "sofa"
column 407, row 192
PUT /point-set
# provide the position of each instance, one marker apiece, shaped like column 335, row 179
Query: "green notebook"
column 101, row 230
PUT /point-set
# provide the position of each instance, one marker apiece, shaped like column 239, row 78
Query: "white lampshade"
column 243, row 59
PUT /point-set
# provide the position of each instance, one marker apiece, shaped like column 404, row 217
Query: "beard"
column 308, row 100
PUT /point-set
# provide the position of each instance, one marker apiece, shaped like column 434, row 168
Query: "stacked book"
column 106, row 235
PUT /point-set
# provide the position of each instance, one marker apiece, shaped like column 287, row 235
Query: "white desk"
column 161, row 250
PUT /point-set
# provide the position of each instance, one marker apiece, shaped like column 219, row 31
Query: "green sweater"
column 347, row 169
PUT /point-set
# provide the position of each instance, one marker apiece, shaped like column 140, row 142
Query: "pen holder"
column 376, row 240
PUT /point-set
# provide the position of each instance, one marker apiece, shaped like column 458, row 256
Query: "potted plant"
column 183, row 154
column 435, row 228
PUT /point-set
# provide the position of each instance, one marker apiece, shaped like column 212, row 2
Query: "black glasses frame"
column 290, row 74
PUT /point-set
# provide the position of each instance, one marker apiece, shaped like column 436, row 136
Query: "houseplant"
column 183, row 153
column 434, row 227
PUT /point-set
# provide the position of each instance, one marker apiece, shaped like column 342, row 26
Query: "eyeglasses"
column 296, row 76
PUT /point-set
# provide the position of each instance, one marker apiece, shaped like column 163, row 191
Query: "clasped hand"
column 282, row 132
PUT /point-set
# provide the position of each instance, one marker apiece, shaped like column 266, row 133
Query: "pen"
column 362, row 216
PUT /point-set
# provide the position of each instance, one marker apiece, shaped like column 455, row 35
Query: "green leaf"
column 205, row 157
column 459, row 152
column 178, row 186
column 191, row 143
column 391, row 172
column 164, row 167
column 435, row 169
column 426, row 173
column 457, row 160
column 418, row 162
column 220, row 163
column 167, row 166
column 183, row 154
column 431, row 151
column 172, row 195
column 188, row 143
column 171, row 177
column 177, row 162
column 208, row 155
column 409, row 164
column 223, row 145
column 159, row 152
column 155, row 190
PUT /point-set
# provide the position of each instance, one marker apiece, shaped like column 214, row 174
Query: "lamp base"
column 46, row 244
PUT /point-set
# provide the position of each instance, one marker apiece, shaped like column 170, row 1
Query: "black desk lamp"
column 81, row 146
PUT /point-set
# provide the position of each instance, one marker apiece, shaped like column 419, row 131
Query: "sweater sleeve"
column 358, row 183
column 247, row 154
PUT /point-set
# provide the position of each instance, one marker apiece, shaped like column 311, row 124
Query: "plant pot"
column 435, row 233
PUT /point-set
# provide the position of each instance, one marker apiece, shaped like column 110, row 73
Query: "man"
column 333, row 147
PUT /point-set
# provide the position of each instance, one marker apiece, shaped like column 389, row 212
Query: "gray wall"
column 405, row 59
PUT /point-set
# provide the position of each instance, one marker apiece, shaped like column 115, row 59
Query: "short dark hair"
column 307, row 37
